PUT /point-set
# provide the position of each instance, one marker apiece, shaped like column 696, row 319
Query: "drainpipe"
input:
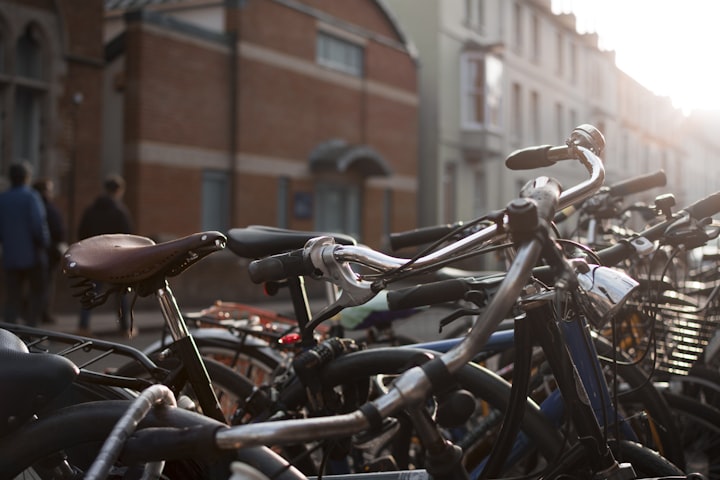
column 233, row 123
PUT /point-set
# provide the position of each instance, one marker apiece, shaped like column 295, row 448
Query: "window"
column 535, row 117
column 481, row 103
column 338, row 208
column 518, row 27
column 449, row 193
column 26, row 134
column 573, row 64
column 26, row 80
column 339, row 54
column 559, row 54
column 479, row 205
column 29, row 54
column 536, row 39
column 215, row 200
column 559, row 124
column 516, row 132
column 475, row 14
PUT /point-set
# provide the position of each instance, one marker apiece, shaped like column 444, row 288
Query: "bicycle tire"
column 479, row 381
column 700, row 433
column 78, row 431
column 646, row 462
column 657, row 426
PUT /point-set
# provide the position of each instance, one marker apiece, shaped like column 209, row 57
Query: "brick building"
column 299, row 114
column 51, row 71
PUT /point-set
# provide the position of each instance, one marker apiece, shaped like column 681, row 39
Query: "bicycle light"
column 604, row 291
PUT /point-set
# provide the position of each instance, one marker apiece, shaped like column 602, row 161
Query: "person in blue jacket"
column 24, row 237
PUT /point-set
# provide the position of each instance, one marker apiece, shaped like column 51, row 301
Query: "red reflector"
column 290, row 339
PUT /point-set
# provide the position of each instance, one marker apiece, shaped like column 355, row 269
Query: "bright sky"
column 672, row 47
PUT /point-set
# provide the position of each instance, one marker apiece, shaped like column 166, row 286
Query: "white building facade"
column 498, row 75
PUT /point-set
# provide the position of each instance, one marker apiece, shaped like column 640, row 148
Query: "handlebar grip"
column 545, row 191
column 427, row 294
column 529, row 158
column 281, row 266
column 638, row 184
column 705, row 207
column 420, row 236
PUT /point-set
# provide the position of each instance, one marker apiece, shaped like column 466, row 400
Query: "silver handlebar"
column 334, row 260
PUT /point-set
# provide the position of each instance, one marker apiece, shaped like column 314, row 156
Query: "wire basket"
column 681, row 335
column 666, row 332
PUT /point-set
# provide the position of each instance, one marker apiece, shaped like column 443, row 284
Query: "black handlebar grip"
column 545, row 191
column 427, row 294
column 420, row 236
column 529, row 158
column 281, row 266
column 638, row 184
column 706, row 207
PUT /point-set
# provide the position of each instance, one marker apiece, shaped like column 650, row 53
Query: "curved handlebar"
column 385, row 263
column 700, row 209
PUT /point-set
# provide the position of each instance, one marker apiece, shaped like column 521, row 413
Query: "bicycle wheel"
column 699, row 425
column 75, row 434
column 343, row 380
column 251, row 357
column 644, row 407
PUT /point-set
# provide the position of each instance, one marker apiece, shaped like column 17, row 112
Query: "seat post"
column 186, row 348
column 171, row 313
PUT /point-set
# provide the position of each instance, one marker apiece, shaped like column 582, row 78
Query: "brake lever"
column 353, row 290
column 688, row 232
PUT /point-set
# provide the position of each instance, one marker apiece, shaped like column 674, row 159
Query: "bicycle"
column 140, row 264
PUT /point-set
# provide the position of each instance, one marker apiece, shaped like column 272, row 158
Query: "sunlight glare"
column 669, row 46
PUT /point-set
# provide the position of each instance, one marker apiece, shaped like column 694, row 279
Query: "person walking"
column 25, row 238
column 107, row 214
column 56, row 227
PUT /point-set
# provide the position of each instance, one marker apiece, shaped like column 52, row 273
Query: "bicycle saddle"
column 256, row 241
column 123, row 259
column 29, row 380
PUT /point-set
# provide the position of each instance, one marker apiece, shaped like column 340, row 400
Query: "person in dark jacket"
column 24, row 237
column 107, row 214
column 56, row 227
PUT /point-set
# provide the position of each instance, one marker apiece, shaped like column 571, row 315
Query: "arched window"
column 28, row 54
column 30, row 91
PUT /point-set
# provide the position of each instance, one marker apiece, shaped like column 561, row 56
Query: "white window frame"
column 338, row 53
column 491, row 92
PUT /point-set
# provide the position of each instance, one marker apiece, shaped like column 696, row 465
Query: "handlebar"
column 622, row 250
column 626, row 187
column 421, row 235
column 638, row 184
column 324, row 254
